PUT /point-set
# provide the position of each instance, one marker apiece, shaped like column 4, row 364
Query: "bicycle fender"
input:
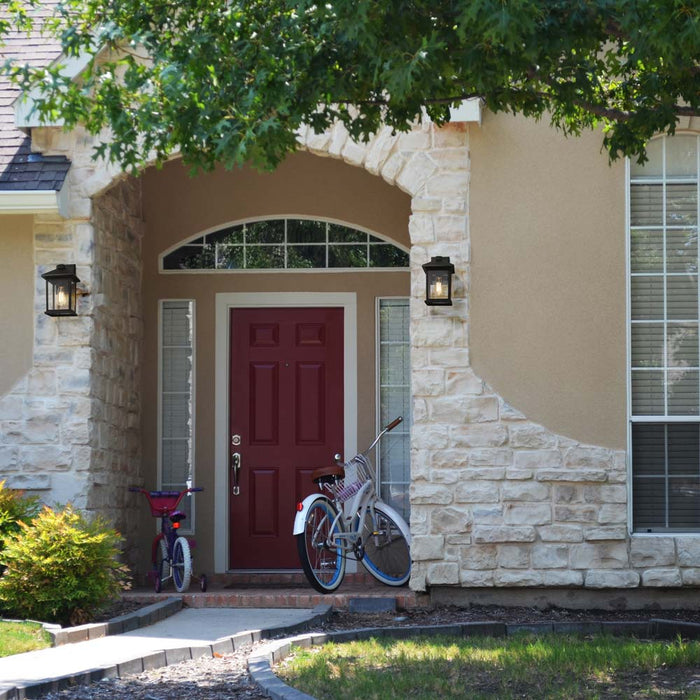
column 305, row 505
column 398, row 519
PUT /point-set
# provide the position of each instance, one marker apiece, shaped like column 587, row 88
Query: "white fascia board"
column 31, row 202
column 468, row 111
column 25, row 116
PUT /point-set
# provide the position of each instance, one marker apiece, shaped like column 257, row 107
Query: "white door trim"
column 224, row 303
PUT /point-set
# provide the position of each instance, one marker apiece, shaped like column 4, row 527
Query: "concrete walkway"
column 190, row 633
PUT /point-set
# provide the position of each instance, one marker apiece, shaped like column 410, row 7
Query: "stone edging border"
column 143, row 617
column 167, row 657
column 260, row 664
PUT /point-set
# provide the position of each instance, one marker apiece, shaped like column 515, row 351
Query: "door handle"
column 236, row 468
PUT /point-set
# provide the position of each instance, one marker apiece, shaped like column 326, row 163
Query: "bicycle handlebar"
column 394, row 423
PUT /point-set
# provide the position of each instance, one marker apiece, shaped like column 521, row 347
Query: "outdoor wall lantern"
column 438, row 281
column 61, row 291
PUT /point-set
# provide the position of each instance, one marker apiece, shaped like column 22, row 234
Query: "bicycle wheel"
column 182, row 564
column 161, row 565
column 323, row 563
column 387, row 554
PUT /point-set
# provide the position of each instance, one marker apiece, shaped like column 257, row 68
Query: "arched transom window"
column 286, row 244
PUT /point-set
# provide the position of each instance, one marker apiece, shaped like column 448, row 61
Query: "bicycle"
column 170, row 551
column 351, row 518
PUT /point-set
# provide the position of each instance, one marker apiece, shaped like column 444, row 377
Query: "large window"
column 177, row 400
column 664, row 355
column 394, row 370
column 286, row 244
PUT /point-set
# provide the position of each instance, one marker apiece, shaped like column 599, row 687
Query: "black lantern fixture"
column 438, row 281
column 61, row 291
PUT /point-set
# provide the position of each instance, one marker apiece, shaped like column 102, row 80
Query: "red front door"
column 286, row 416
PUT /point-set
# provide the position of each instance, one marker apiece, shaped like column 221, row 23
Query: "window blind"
column 664, row 347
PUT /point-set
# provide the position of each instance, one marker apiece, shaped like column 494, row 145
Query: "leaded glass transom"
column 286, row 244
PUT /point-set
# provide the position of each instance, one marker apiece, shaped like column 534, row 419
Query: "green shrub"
column 15, row 508
column 61, row 568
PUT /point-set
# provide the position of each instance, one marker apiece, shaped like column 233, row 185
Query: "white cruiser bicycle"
column 351, row 519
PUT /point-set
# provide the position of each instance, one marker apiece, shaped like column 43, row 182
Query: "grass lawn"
column 17, row 637
column 522, row 666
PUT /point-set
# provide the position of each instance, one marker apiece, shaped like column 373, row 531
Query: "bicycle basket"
column 163, row 502
column 358, row 471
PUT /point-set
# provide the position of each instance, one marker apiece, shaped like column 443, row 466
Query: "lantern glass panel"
column 438, row 285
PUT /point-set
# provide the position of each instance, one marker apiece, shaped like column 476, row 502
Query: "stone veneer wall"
column 69, row 430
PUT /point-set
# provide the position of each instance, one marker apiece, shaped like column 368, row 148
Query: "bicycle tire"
column 159, row 573
column 324, row 566
column 387, row 553
column 182, row 564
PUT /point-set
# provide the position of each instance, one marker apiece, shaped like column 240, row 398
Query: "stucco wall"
column 547, row 229
column 17, row 284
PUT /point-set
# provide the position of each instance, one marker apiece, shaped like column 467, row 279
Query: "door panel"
column 286, row 403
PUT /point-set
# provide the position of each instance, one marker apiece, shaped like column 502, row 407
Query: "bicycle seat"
column 328, row 475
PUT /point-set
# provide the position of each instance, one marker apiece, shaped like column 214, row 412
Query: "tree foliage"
column 229, row 82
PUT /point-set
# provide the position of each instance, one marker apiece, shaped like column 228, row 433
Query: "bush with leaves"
column 61, row 567
column 15, row 508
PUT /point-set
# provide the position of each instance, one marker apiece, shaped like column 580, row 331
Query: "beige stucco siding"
column 17, row 290
column 547, row 311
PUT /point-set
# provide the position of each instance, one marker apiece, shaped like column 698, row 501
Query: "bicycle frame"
column 351, row 513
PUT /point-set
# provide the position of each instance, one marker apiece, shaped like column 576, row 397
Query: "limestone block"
column 531, row 436
column 449, row 459
column 485, row 515
column 379, row 150
column 36, row 430
column 428, row 382
column 415, row 173
column 454, row 205
column 611, row 579
column 688, row 548
column 573, row 475
column 477, row 492
column 527, row 514
column 519, row 474
column 483, row 474
column 353, row 153
column 451, row 158
column 514, row 556
column 475, row 579
column 423, row 204
column 81, row 457
column 443, row 573
column 392, row 167
column 481, row 435
column 690, row 577
column 423, row 493
column 451, row 228
column 45, row 458
column 568, row 493
column 421, row 229
column 448, row 184
column 450, row 358
column 538, row 459
column 594, row 458
column 450, row 135
column 434, row 438
column 561, row 533
column 427, row 548
column 10, row 408
column 418, row 576
column 338, row 137
column 617, row 532
column 612, row 513
column 662, row 578
column 550, row 556
column 444, row 476
column 479, row 557
column 76, row 381
column 433, row 332
column 576, row 514
column 487, row 534
column 603, row 555
column 9, row 458
column 29, row 482
column 508, row 413
column 450, row 520
column 517, row 578
column 606, row 494
column 562, row 578
column 487, row 457
column 525, row 491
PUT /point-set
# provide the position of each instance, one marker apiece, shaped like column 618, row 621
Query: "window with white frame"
column 177, row 400
column 394, row 372
column 285, row 244
column 664, row 356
